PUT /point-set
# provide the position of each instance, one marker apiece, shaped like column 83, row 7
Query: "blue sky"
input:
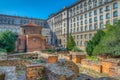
column 33, row 8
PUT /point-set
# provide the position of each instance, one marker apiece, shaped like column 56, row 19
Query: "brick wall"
column 35, row 72
column 114, row 71
column 14, row 63
column 24, row 56
column 76, row 58
column 109, row 63
column 91, row 65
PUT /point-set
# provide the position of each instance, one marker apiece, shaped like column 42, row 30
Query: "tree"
column 110, row 44
column 71, row 43
column 95, row 41
column 7, row 41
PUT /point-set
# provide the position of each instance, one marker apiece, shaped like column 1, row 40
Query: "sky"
column 33, row 8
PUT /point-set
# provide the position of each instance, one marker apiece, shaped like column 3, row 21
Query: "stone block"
column 109, row 63
column 52, row 59
column 76, row 58
column 92, row 65
column 35, row 72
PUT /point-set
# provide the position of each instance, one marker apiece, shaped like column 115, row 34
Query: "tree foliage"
column 7, row 41
column 95, row 41
column 110, row 44
column 70, row 43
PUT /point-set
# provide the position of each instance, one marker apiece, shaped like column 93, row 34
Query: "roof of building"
column 30, row 24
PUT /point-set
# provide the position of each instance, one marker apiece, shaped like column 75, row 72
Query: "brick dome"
column 30, row 24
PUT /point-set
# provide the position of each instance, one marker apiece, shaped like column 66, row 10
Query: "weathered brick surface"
column 24, row 56
column 114, row 71
column 52, row 59
column 35, row 72
column 91, row 65
column 76, row 58
column 109, row 63
column 14, row 63
column 62, row 70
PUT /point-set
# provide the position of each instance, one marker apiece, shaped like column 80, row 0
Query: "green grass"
column 49, row 50
column 92, row 58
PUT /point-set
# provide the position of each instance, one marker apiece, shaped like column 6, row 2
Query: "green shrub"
column 76, row 49
column 110, row 43
column 7, row 41
column 70, row 43
column 95, row 41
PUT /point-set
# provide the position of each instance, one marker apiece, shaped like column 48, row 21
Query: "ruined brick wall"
column 76, row 58
column 114, row 71
column 109, row 63
column 91, row 65
column 24, row 56
column 16, row 63
column 35, row 72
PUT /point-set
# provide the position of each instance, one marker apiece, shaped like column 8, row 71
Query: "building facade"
column 13, row 23
column 30, row 38
column 82, row 19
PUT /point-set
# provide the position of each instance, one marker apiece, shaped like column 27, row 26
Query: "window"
column 90, row 20
column 90, row 14
column 107, row 15
column 107, row 8
column 115, row 13
column 81, row 16
column 101, row 10
column 95, row 12
column 85, row 21
column 81, row 29
column 115, row 5
column 107, row 1
column 34, row 39
column 90, row 27
column 101, row 26
column 85, row 15
column 101, row 17
column 95, row 26
column 95, row 19
column 86, row 28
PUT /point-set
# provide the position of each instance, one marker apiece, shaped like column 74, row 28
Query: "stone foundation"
column 109, row 63
column 76, row 58
column 91, row 65
column 14, row 63
column 35, row 72
column 24, row 56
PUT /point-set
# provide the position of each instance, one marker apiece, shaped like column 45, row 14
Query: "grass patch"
column 92, row 58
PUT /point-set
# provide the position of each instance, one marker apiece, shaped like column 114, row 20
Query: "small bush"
column 76, row 49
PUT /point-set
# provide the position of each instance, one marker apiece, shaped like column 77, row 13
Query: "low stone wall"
column 49, row 58
column 92, row 65
column 76, row 58
column 65, row 56
column 14, row 63
column 114, row 71
column 61, row 70
column 9, row 73
column 24, row 56
column 109, row 63
column 35, row 72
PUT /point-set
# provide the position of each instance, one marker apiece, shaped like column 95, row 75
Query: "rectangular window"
column 107, row 15
column 101, row 17
column 115, row 5
column 115, row 13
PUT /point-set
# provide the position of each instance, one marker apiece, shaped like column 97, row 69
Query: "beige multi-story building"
column 82, row 19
